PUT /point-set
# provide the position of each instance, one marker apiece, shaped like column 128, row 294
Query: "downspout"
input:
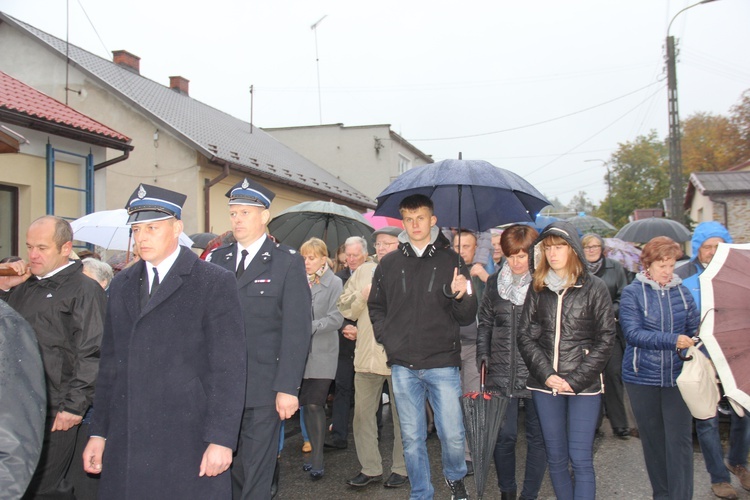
column 207, row 196
column 726, row 211
column 107, row 163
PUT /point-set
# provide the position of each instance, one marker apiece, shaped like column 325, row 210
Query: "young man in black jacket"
column 417, row 303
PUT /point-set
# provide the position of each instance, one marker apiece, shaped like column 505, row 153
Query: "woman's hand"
column 557, row 383
column 683, row 342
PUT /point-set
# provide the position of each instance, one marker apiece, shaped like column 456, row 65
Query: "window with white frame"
column 404, row 164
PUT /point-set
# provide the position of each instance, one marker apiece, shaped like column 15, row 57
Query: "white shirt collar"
column 252, row 250
column 52, row 273
column 163, row 267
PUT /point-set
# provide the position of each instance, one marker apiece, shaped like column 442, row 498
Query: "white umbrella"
column 108, row 229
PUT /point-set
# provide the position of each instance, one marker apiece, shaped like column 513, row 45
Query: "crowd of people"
column 171, row 377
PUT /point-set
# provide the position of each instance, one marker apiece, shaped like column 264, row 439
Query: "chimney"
column 127, row 60
column 179, row 84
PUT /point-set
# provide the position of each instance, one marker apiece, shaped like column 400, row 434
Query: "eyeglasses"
column 591, row 248
column 385, row 245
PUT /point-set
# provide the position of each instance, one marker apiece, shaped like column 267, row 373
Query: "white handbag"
column 698, row 385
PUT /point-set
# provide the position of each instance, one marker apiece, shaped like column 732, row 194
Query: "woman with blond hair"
column 566, row 335
column 320, row 369
column 658, row 316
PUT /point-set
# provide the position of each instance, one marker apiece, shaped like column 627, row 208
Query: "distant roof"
column 26, row 106
column 219, row 136
column 726, row 182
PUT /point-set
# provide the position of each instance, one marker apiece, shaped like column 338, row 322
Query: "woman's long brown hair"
column 573, row 268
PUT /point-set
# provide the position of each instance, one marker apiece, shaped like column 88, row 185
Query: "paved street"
column 620, row 471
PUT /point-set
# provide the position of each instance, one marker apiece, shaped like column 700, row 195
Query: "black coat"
column 616, row 279
column 22, row 403
column 277, row 314
column 66, row 311
column 575, row 343
column 499, row 320
column 172, row 380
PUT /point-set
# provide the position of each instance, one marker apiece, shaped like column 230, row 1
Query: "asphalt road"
column 620, row 471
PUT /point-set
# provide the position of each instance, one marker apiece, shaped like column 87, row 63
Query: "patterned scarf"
column 595, row 266
column 314, row 278
column 512, row 287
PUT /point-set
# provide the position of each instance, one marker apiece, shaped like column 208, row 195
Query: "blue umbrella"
column 471, row 194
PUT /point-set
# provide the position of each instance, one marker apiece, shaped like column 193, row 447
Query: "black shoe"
column 336, row 444
column 507, row 495
column 396, row 481
column 621, row 432
column 469, row 468
column 458, row 490
column 316, row 475
column 275, row 480
column 363, row 480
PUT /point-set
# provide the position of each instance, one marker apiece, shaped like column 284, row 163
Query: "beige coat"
column 369, row 356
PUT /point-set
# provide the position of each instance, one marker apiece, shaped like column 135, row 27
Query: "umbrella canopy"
column 590, row 224
column 643, row 230
column 725, row 329
column 471, row 194
column 484, row 413
column 331, row 222
column 109, row 229
column 201, row 240
column 379, row 222
column 623, row 252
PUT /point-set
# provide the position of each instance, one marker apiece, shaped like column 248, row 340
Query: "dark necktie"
column 241, row 267
column 155, row 283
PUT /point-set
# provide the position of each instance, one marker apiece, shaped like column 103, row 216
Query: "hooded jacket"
column 652, row 317
column 570, row 333
column 411, row 316
column 704, row 231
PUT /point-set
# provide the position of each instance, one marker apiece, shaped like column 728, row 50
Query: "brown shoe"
column 724, row 490
column 742, row 474
column 306, row 447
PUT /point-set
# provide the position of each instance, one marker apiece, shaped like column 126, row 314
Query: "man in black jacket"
column 417, row 303
column 66, row 310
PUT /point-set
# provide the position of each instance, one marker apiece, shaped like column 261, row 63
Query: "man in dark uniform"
column 276, row 305
column 172, row 372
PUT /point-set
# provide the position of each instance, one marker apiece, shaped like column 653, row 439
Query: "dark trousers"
column 614, row 389
column 255, row 460
column 568, row 426
column 342, row 398
column 666, row 429
column 85, row 486
column 48, row 482
column 505, row 451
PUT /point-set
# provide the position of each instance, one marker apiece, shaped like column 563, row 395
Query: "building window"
column 8, row 221
column 404, row 164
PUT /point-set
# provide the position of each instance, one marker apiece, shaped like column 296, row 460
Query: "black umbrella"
column 643, row 230
column 331, row 222
column 484, row 413
column 201, row 240
column 470, row 194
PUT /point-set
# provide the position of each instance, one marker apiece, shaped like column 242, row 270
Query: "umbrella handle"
column 696, row 342
column 447, row 292
column 482, row 375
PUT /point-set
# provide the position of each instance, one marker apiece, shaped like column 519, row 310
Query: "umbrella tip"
column 460, row 155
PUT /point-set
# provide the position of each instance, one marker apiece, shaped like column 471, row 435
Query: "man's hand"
column 17, row 273
column 479, row 271
column 92, row 455
column 216, row 459
column 64, row 421
column 349, row 332
column 286, row 405
column 459, row 284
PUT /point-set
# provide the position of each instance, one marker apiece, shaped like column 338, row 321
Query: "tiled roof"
column 20, row 98
column 217, row 135
column 726, row 182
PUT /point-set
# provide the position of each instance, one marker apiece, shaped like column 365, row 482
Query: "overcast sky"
column 533, row 86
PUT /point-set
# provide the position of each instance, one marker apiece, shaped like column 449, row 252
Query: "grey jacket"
column 326, row 321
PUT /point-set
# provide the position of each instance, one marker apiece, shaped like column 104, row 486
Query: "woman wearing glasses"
column 616, row 279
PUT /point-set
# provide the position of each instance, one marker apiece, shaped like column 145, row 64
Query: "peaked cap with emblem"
column 250, row 193
column 152, row 203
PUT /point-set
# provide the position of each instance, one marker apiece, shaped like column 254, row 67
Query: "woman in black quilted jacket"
column 566, row 336
column 499, row 317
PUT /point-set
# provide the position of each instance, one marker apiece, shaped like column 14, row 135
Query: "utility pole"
column 675, row 150
column 314, row 27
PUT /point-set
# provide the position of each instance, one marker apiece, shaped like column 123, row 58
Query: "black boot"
column 507, row 495
column 275, row 481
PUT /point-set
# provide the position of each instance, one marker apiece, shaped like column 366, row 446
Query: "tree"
column 740, row 118
column 710, row 143
column 640, row 178
column 581, row 203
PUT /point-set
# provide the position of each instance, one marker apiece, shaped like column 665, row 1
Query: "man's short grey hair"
column 357, row 240
column 101, row 270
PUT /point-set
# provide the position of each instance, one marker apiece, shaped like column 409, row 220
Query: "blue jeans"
column 442, row 387
column 713, row 454
column 568, row 426
column 505, row 451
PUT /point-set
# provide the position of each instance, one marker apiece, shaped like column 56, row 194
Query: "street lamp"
column 609, row 187
column 675, row 151
column 314, row 27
